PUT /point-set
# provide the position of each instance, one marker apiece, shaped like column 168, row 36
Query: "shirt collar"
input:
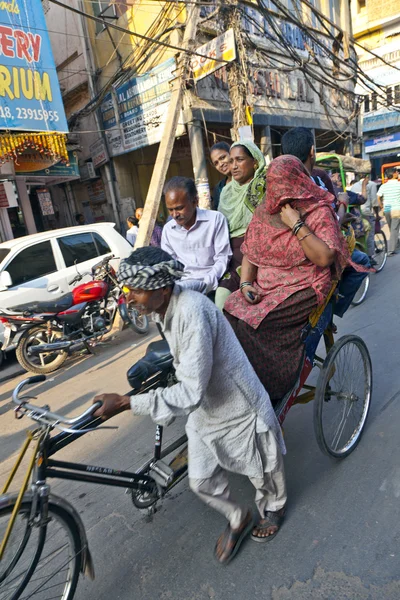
column 201, row 215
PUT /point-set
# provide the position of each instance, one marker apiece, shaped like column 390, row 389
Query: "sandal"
column 271, row 519
column 229, row 542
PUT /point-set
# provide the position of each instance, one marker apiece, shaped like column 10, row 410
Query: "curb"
column 12, row 375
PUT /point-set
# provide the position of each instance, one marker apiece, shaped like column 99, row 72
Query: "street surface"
column 341, row 538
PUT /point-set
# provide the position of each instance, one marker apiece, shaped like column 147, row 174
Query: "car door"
column 79, row 252
column 35, row 276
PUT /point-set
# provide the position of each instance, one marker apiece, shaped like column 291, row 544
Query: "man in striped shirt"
column 390, row 193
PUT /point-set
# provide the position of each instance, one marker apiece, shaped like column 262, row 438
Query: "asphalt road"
column 340, row 540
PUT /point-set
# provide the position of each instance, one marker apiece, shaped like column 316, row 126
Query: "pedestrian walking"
column 389, row 193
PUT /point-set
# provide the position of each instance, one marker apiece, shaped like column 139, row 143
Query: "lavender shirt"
column 204, row 249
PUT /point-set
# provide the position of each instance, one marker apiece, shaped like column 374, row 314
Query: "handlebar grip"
column 36, row 379
column 96, row 405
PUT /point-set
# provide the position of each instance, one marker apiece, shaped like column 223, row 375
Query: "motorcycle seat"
column 158, row 359
column 51, row 307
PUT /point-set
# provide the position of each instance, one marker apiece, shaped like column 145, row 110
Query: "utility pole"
column 195, row 133
column 237, row 74
column 161, row 165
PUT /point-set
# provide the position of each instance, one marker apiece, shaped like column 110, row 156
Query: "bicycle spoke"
column 346, row 399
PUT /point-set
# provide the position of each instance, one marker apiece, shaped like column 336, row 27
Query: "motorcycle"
column 51, row 331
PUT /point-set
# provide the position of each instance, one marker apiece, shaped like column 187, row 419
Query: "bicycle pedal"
column 161, row 473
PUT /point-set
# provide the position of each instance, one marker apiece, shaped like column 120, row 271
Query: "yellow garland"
column 49, row 144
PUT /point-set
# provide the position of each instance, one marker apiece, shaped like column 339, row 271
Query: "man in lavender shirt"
column 198, row 238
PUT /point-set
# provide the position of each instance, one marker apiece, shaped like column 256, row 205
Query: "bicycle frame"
column 42, row 466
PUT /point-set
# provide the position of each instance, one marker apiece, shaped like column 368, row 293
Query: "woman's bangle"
column 245, row 284
column 304, row 236
column 297, row 226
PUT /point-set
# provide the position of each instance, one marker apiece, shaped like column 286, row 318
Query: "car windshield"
column 3, row 253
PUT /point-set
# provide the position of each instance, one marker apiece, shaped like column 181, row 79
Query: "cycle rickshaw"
column 44, row 545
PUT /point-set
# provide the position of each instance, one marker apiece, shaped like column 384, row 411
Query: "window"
column 3, row 253
column 389, row 96
column 374, row 99
column 102, row 246
column 32, row 263
column 361, row 4
column 104, row 10
column 81, row 247
column 366, row 104
column 397, row 94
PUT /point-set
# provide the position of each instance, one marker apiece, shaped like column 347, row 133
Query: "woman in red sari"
column 293, row 249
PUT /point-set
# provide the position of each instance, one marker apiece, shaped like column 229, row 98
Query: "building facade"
column 298, row 72
column 376, row 26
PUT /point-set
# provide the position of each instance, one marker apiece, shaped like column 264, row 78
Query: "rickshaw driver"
column 231, row 424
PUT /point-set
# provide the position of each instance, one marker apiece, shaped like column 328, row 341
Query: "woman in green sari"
column 238, row 201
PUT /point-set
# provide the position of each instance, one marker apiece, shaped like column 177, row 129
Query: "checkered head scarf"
column 149, row 269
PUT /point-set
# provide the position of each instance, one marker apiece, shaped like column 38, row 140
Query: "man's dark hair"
column 298, row 142
column 182, row 183
column 390, row 172
column 220, row 146
column 148, row 256
column 78, row 216
column 133, row 220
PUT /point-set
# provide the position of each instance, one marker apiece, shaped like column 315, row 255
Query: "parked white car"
column 38, row 267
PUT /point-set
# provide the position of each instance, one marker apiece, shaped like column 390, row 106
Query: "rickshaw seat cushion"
column 158, row 359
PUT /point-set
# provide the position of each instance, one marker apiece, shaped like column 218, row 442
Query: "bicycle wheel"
column 361, row 293
column 47, row 362
column 343, row 397
column 381, row 250
column 138, row 322
column 42, row 563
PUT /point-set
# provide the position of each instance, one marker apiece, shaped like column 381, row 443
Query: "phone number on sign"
column 29, row 113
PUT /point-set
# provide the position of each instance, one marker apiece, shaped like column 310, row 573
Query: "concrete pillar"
column 25, row 205
column 266, row 143
column 199, row 161
column 6, row 232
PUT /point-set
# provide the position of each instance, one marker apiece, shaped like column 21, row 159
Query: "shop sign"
column 382, row 120
column 96, row 192
column 32, row 164
column 46, row 205
column 3, row 197
column 30, row 97
column 142, row 107
column 98, row 152
column 383, row 143
column 221, row 48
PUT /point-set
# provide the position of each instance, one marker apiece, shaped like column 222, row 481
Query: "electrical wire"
column 132, row 33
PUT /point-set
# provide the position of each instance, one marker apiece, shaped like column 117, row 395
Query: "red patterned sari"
column 289, row 284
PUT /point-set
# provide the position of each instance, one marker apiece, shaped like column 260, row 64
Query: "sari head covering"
column 269, row 242
column 238, row 202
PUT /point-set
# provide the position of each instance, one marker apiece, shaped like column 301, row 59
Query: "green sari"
column 238, row 202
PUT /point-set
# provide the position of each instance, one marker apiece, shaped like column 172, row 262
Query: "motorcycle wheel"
column 138, row 322
column 43, row 363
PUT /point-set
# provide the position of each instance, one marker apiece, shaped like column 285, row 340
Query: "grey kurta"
column 217, row 388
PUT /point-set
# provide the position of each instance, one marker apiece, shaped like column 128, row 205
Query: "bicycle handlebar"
column 41, row 412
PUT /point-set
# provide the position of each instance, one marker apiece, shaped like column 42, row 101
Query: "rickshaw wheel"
column 361, row 293
column 343, row 397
